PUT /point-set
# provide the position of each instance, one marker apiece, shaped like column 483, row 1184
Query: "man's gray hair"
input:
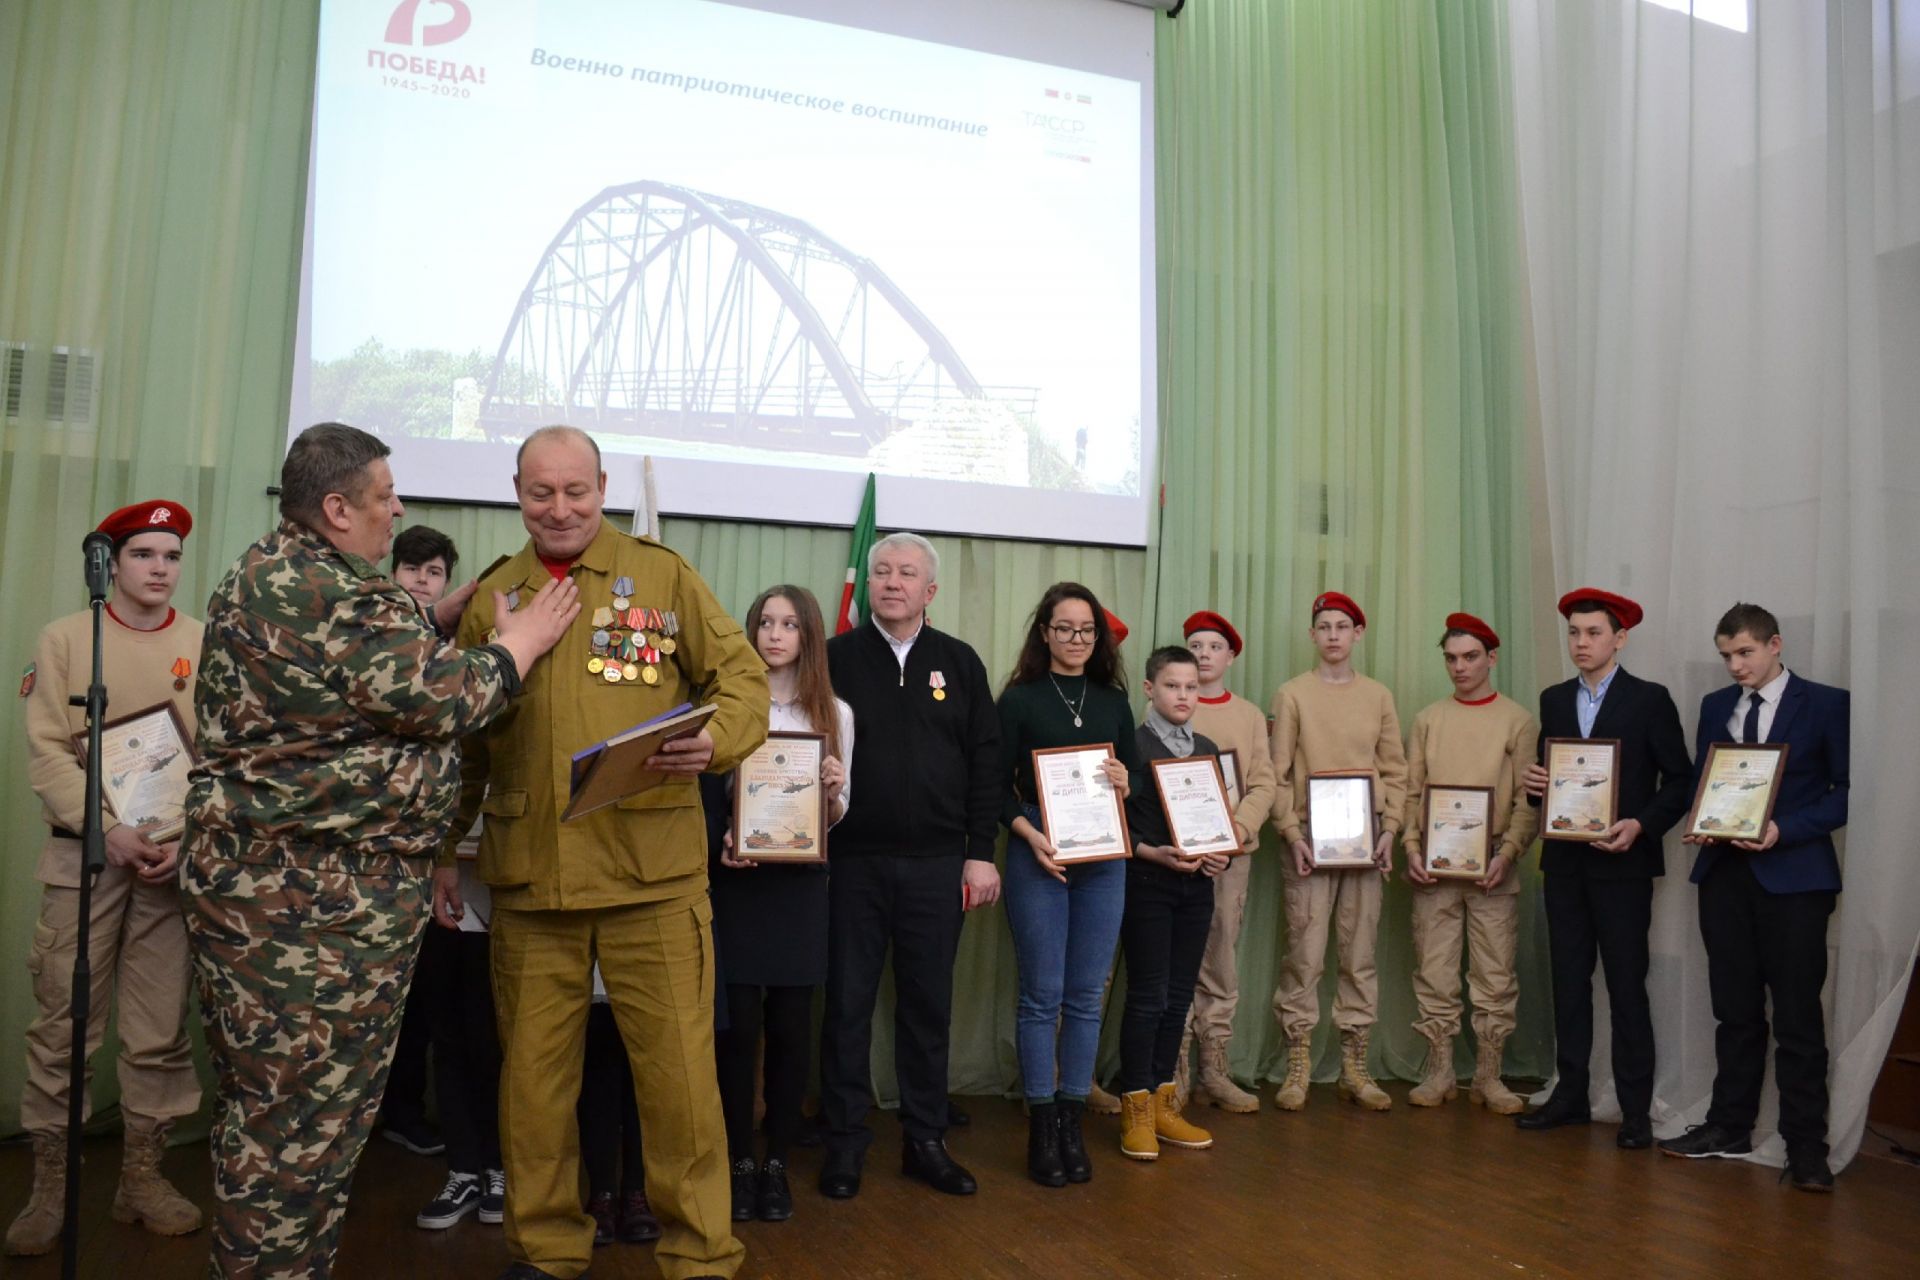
column 896, row 540
column 558, row 431
column 328, row 457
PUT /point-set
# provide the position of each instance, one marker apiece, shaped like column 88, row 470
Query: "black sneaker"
column 775, row 1201
column 1807, row 1168
column 746, row 1186
column 460, row 1197
column 417, row 1137
column 493, row 1196
column 1702, row 1141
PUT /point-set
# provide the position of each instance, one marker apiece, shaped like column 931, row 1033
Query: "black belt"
column 64, row 834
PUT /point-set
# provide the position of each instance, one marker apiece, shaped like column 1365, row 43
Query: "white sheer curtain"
column 1723, row 245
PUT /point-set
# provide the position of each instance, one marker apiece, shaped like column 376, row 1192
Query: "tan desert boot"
column 1217, row 1087
column 1100, row 1102
column 144, row 1196
column 1356, row 1083
column 1489, row 1090
column 37, row 1228
column 1439, row 1085
column 1292, row 1094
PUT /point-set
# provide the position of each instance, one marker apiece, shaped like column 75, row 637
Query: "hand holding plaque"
column 1583, row 788
column 1080, row 809
column 1456, row 837
column 144, row 760
column 780, row 801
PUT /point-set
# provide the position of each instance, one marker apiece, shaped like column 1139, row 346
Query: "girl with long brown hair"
column 770, row 922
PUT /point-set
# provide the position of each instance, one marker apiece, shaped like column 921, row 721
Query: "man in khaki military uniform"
column 139, row 946
column 626, row 886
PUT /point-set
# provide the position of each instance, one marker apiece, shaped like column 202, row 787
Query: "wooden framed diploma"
column 1193, row 795
column 1583, row 788
column 1737, row 788
column 779, row 803
column 1079, row 809
column 1230, row 774
column 1340, row 819
column 144, row 759
column 1456, row 831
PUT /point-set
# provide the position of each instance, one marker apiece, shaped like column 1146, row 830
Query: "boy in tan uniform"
column 139, row 943
column 1239, row 726
column 1333, row 718
column 1476, row 738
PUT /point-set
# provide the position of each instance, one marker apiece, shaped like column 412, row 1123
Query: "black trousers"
column 783, row 1016
column 608, row 1115
column 404, row 1104
column 1589, row 918
column 1762, row 944
column 1164, row 934
column 911, row 905
column 466, row 1047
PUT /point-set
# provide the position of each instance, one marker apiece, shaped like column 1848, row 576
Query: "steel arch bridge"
column 662, row 311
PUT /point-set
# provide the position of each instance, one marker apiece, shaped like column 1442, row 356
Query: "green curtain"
column 1344, row 394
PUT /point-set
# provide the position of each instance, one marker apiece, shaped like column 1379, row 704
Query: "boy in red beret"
column 148, row 656
column 1333, row 719
column 1476, row 738
column 1239, row 726
column 1599, row 893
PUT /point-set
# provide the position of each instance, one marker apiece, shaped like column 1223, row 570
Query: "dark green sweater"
column 1036, row 715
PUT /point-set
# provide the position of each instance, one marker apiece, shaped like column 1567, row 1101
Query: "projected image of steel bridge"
column 661, row 311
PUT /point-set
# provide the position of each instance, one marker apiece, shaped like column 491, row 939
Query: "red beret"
column 1208, row 620
column 1474, row 627
column 1344, row 603
column 1626, row 611
column 1116, row 626
column 158, row 516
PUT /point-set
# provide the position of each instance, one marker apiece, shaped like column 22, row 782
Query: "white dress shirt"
column 1769, row 695
column 901, row 648
column 788, row 717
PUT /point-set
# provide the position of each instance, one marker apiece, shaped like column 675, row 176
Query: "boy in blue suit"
column 1764, row 903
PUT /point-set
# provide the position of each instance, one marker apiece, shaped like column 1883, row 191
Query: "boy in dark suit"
column 1599, row 894
column 1764, row 903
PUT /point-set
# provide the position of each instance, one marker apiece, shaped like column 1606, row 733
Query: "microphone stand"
column 93, row 846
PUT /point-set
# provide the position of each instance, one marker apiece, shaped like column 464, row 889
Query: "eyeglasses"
column 1064, row 633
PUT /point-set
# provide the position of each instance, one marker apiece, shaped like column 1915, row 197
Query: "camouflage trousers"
column 303, row 977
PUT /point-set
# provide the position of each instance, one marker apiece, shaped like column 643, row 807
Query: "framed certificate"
column 1456, row 831
column 144, row 759
column 1193, row 795
column 1737, row 788
column 779, row 804
column 1583, row 788
column 1230, row 774
column 1079, row 809
column 1340, row 819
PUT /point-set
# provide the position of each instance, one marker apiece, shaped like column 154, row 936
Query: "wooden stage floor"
column 1329, row 1192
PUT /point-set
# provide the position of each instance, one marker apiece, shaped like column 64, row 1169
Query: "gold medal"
column 667, row 645
column 596, row 664
column 650, row 675
column 631, row 671
column 611, row 673
column 939, row 695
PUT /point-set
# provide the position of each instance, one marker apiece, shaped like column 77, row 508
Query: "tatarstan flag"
column 853, row 596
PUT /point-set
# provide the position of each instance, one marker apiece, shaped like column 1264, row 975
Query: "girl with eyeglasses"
column 1066, row 690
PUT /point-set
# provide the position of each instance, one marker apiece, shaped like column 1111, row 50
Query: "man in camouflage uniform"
column 329, row 714
column 625, row 885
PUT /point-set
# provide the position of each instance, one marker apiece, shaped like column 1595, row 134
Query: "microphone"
column 98, row 548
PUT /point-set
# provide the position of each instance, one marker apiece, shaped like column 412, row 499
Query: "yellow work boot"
column 1438, row 1085
column 1100, row 1102
column 1217, row 1087
column 144, row 1196
column 37, row 1228
column 1292, row 1094
column 1171, row 1127
column 1489, row 1090
column 1356, row 1083
column 1137, row 1140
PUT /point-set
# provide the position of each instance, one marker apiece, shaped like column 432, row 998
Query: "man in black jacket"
column 912, row 855
column 1599, row 892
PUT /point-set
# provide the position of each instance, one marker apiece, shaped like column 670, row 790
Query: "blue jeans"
column 1063, row 941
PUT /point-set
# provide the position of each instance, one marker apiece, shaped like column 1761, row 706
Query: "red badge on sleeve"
column 27, row 678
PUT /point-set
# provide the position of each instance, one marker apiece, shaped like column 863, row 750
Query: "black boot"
column 1073, row 1147
column 1043, row 1145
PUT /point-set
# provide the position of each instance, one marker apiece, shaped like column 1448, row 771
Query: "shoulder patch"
column 27, row 678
